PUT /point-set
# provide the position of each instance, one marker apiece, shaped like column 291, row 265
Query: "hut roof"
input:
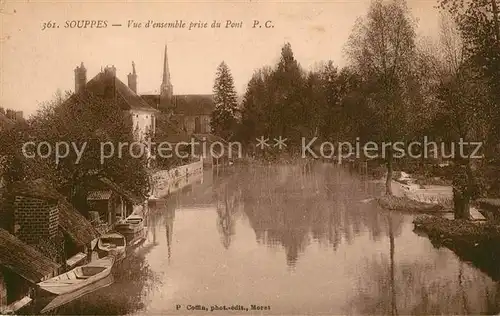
column 74, row 224
column 38, row 188
column 24, row 260
column 120, row 190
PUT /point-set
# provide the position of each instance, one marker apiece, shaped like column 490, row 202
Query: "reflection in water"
column 394, row 309
column 169, row 229
column 227, row 199
column 420, row 291
column 133, row 280
column 299, row 242
column 289, row 207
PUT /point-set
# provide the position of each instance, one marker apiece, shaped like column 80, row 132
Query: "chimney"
column 19, row 115
column 110, row 70
column 132, row 79
column 80, row 78
column 10, row 114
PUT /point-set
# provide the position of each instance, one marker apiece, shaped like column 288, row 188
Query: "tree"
column 254, row 121
column 281, row 101
column 465, row 110
column 321, row 104
column 382, row 50
column 479, row 26
column 224, row 115
column 11, row 159
column 86, row 121
column 287, row 88
column 167, row 131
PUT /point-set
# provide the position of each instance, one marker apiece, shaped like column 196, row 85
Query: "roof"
column 123, row 192
column 24, row 260
column 38, row 188
column 70, row 220
column 168, row 131
column 151, row 99
column 99, row 195
column 6, row 122
column 194, row 104
column 75, row 224
column 108, row 85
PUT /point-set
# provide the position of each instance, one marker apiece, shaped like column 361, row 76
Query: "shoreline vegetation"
column 472, row 241
column 475, row 240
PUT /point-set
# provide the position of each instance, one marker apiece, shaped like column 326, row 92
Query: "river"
column 287, row 242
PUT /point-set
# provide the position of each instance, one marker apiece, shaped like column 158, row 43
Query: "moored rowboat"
column 63, row 299
column 131, row 225
column 113, row 243
column 79, row 277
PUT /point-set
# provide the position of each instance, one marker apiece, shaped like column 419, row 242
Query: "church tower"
column 166, row 88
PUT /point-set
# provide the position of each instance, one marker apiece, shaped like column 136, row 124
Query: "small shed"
column 109, row 202
column 21, row 267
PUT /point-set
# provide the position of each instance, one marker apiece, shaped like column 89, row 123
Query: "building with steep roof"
column 21, row 267
column 42, row 217
column 190, row 112
column 24, row 260
column 107, row 85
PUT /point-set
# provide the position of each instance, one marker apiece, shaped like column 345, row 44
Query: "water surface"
column 294, row 242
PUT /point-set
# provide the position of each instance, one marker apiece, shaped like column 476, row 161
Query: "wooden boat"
column 79, row 277
column 136, row 238
column 131, row 225
column 112, row 243
column 66, row 298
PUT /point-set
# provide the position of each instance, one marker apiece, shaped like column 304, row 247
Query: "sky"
column 35, row 63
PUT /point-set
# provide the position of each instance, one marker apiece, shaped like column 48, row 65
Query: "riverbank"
column 295, row 227
column 475, row 240
column 409, row 196
column 403, row 203
column 472, row 241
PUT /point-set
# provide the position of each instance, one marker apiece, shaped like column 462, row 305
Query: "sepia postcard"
column 333, row 157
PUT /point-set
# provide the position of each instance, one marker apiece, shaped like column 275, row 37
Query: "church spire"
column 166, row 86
column 166, row 73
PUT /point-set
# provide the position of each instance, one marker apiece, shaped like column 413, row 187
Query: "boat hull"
column 66, row 283
column 63, row 299
column 112, row 243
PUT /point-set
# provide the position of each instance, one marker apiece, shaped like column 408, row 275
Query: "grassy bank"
column 469, row 232
column 475, row 242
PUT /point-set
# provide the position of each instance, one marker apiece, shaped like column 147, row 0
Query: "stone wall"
column 164, row 180
column 35, row 219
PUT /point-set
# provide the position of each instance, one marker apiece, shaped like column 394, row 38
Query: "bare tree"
column 382, row 49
